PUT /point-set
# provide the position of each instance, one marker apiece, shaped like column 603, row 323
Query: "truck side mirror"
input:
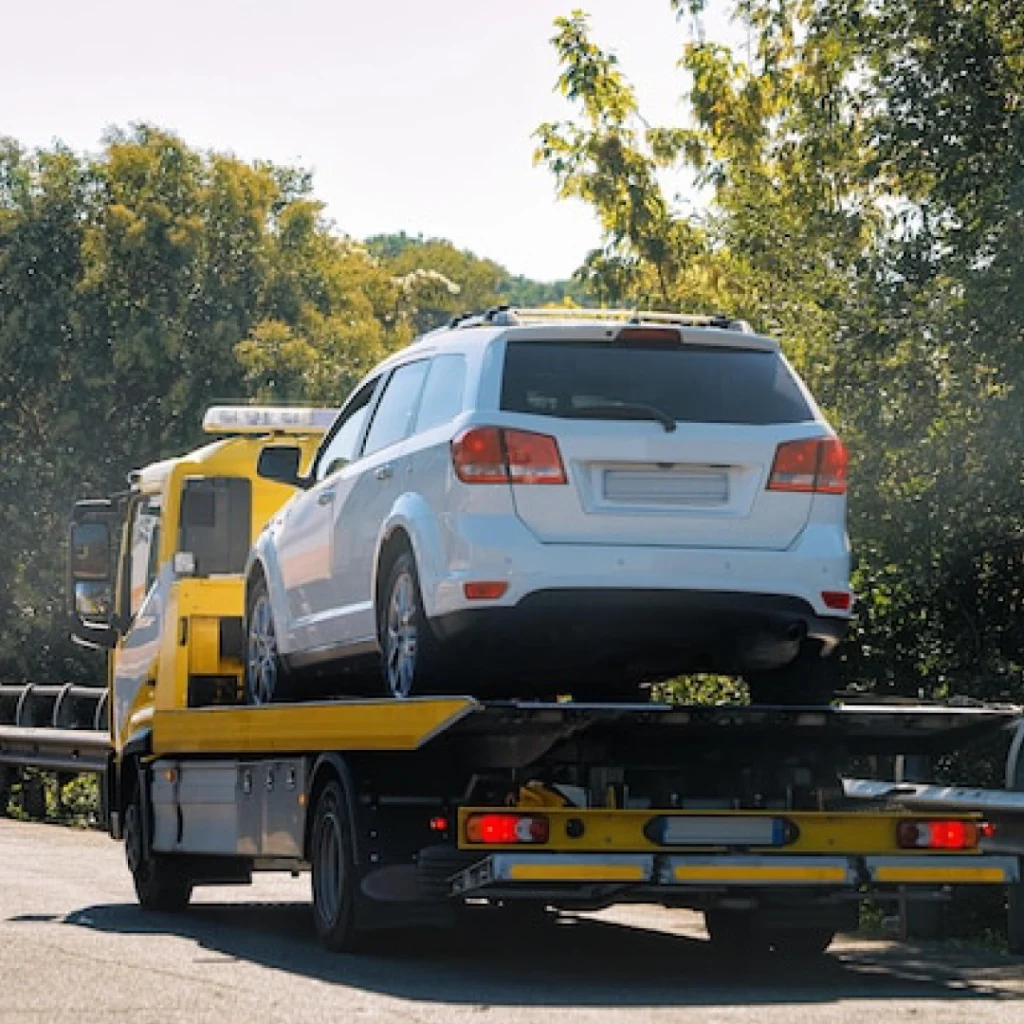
column 91, row 575
column 281, row 463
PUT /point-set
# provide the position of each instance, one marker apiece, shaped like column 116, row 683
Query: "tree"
column 836, row 164
column 136, row 288
column 442, row 281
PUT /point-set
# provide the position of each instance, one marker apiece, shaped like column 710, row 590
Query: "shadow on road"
column 574, row 961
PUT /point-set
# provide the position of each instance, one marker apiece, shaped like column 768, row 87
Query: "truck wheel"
column 409, row 650
column 807, row 679
column 1015, row 918
column 263, row 671
column 159, row 883
column 333, row 870
column 801, row 943
column 732, row 932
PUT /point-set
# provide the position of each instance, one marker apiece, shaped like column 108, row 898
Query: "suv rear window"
column 689, row 384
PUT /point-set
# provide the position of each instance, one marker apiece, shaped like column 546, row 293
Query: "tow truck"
column 418, row 809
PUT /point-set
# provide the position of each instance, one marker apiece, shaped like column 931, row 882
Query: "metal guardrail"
column 57, row 750
column 53, row 706
column 60, row 727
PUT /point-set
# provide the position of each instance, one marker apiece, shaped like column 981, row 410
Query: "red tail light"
column 939, row 835
column 815, row 467
column 506, row 829
column 479, row 456
column 492, row 455
column 533, row 458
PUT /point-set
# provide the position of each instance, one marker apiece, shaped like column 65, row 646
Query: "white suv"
column 532, row 502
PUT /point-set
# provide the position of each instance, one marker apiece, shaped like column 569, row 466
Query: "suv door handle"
column 384, row 472
column 325, row 497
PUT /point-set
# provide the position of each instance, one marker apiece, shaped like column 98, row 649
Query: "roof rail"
column 511, row 316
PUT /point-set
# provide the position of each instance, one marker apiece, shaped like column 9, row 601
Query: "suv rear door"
column 663, row 445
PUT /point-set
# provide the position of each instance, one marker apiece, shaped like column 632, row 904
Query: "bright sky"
column 413, row 116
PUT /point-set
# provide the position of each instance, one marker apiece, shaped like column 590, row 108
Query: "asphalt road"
column 75, row 947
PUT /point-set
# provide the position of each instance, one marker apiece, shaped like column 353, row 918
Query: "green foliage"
column 142, row 284
column 136, row 287
column 440, row 281
column 859, row 165
column 702, row 689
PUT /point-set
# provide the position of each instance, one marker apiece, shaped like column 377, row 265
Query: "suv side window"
column 394, row 416
column 340, row 449
column 442, row 393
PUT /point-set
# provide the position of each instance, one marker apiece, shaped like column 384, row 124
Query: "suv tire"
column 410, row 654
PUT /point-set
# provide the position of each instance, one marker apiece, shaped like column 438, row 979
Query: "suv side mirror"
column 281, row 464
column 91, row 574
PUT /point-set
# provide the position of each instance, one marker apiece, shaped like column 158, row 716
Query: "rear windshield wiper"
column 621, row 411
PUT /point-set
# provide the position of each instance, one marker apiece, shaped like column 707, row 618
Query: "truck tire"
column 732, row 932
column 159, row 883
column 333, row 872
column 800, row 943
column 807, row 679
column 737, row 933
column 410, row 653
column 1015, row 918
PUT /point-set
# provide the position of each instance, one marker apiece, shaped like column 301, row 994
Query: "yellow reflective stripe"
column 577, row 872
column 758, row 873
column 898, row 874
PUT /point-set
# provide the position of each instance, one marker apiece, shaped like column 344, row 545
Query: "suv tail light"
column 814, row 466
column 495, row 455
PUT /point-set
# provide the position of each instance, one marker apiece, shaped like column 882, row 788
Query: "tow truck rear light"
column 941, row 835
column 493, row 455
column 811, row 467
column 506, row 829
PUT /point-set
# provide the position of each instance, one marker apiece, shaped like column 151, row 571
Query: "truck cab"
column 172, row 548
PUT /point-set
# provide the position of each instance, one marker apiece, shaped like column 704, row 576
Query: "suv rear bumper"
column 658, row 631
column 501, row 548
